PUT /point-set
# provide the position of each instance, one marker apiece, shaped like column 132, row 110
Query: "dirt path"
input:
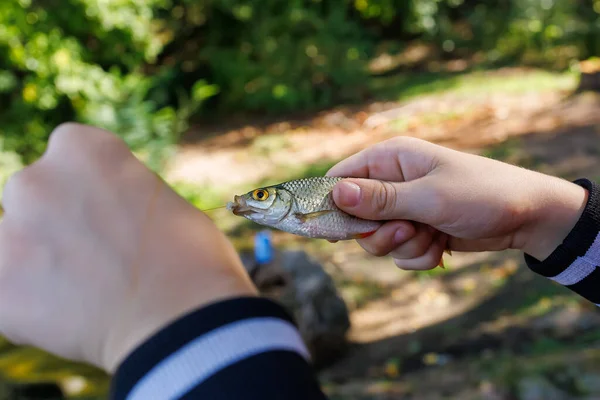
column 250, row 154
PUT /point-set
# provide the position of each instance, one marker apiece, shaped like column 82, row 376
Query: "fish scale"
column 311, row 212
column 312, row 194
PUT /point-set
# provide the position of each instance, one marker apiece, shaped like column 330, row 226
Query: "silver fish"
column 303, row 207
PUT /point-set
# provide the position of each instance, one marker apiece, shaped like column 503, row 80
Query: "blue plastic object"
column 263, row 247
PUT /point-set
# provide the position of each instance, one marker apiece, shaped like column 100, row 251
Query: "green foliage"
column 84, row 61
column 203, row 198
column 280, row 56
column 144, row 69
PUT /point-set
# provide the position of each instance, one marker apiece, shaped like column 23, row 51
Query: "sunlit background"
column 221, row 96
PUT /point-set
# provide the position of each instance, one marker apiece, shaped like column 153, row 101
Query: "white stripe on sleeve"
column 198, row 360
column 582, row 266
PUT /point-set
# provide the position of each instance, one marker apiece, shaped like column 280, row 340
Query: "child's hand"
column 436, row 198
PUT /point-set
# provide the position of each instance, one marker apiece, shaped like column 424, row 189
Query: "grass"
column 266, row 145
column 202, row 197
column 504, row 151
column 403, row 87
column 359, row 292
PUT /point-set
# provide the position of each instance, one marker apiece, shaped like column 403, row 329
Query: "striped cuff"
column 574, row 264
column 240, row 348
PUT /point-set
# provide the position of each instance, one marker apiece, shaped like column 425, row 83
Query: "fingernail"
column 400, row 236
column 348, row 194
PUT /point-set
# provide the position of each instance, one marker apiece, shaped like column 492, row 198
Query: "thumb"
column 380, row 200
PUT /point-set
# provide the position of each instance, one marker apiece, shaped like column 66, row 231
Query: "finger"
column 417, row 246
column 431, row 259
column 388, row 237
column 380, row 161
column 380, row 200
column 398, row 159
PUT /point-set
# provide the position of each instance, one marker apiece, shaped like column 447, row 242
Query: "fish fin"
column 306, row 217
column 441, row 264
column 363, row 235
column 448, row 251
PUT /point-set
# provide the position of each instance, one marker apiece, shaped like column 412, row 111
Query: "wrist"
column 187, row 268
column 131, row 334
column 559, row 205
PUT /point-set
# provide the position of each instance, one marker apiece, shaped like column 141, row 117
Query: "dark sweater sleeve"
column 574, row 264
column 243, row 348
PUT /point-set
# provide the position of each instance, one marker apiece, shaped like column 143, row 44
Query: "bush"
column 143, row 69
column 128, row 66
column 84, row 61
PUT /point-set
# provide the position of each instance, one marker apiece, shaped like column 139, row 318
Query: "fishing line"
column 214, row 208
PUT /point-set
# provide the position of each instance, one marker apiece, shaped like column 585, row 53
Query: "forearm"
column 574, row 263
column 241, row 348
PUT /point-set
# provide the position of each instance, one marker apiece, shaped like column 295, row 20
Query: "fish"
column 304, row 207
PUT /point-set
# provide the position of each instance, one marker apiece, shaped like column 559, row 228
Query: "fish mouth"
column 239, row 206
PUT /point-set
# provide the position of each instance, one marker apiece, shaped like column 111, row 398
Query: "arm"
column 575, row 262
column 434, row 198
column 101, row 262
column 242, row 348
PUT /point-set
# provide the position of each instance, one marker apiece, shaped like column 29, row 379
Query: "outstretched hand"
column 97, row 252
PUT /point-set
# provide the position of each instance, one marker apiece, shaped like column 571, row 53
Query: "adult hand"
column 97, row 253
column 434, row 198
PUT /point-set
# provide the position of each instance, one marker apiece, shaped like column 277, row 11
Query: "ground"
column 483, row 328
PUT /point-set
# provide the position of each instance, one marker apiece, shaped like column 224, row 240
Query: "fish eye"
column 260, row 194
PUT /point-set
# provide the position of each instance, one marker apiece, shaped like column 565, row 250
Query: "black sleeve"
column 243, row 348
column 574, row 264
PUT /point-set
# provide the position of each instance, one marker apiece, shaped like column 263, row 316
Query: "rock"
column 567, row 321
column 538, row 388
column 589, row 81
column 303, row 287
column 590, row 75
column 589, row 383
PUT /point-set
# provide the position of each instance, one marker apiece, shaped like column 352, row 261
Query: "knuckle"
column 66, row 132
column 430, row 256
column 75, row 137
column 414, row 248
column 79, row 145
column 25, row 182
column 379, row 249
column 372, row 247
column 420, row 249
column 385, row 198
column 402, row 142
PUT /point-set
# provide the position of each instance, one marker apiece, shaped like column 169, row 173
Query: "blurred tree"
column 143, row 69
